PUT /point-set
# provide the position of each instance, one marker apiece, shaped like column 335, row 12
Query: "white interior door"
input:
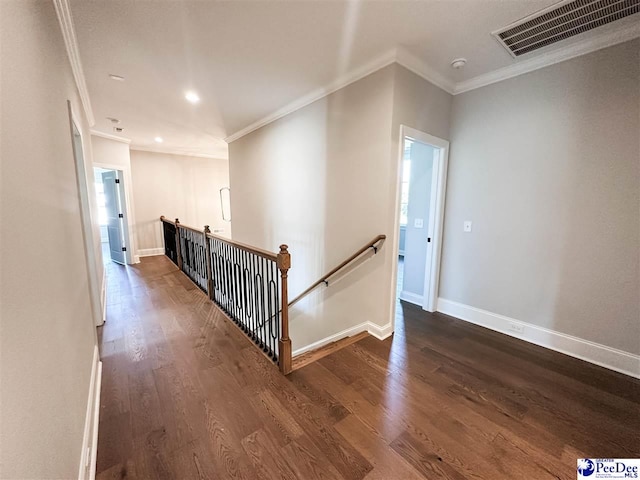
column 114, row 216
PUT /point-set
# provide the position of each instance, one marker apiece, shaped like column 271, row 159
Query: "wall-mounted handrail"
column 325, row 278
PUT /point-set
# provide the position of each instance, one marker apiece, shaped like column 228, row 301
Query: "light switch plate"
column 467, row 225
column 418, row 223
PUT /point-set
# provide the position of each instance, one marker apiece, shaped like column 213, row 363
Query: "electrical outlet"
column 516, row 327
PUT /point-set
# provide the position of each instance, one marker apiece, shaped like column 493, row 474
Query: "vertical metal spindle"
column 207, row 251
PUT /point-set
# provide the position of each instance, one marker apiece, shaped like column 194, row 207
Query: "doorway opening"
column 421, row 192
column 111, row 214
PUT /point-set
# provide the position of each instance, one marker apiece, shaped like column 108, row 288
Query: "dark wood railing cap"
column 257, row 251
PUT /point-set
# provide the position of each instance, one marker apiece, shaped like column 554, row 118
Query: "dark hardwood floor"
column 185, row 395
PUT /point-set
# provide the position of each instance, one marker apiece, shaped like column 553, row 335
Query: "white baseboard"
column 88, row 455
column 349, row 332
column 150, row 252
column 412, row 298
column 379, row 332
column 608, row 357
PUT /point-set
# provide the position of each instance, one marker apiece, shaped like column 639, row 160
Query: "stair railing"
column 247, row 283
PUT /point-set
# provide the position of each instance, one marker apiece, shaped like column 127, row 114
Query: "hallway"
column 185, row 395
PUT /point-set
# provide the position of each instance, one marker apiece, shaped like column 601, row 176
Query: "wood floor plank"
column 186, row 395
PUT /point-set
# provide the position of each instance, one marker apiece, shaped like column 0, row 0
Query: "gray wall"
column 323, row 179
column 547, row 166
column 318, row 180
column 47, row 336
column 176, row 186
column 415, row 256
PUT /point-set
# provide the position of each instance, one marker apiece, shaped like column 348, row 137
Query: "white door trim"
column 130, row 221
column 86, row 218
column 436, row 217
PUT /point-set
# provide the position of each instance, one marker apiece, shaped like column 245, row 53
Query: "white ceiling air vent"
column 561, row 21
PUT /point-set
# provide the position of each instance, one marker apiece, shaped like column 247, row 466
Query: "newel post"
column 178, row 252
column 284, row 263
column 207, row 247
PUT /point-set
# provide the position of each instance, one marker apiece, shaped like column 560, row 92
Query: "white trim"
column 424, row 70
column 103, row 295
column 173, row 151
column 349, row 332
column 608, row 357
column 85, row 189
column 430, row 74
column 343, row 81
column 96, row 423
column 552, row 57
column 412, row 298
column 90, row 437
column 375, row 330
column 129, row 225
column 108, row 136
column 63, row 11
column 150, row 252
column 380, row 332
column 436, row 221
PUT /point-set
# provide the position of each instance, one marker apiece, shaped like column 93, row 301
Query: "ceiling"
column 249, row 59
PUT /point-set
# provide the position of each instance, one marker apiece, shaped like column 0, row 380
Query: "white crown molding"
column 598, row 42
column 108, row 136
column 171, row 151
column 63, row 10
column 347, row 79
column 422, row 69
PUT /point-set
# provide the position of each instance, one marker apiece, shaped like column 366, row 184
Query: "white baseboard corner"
column 88, row 455
column 375, row 330
column 149, row 252
column 380, row 332
column 349, row 332
column 412, row 298
column 598, row 354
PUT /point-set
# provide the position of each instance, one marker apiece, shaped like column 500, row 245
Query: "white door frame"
column 86, row 220
column 436, row 217
column 129, row 220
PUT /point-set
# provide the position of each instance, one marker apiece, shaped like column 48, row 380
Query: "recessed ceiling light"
column 159, row 139
column 113, row 120
column 192, row 97
column 119, row 78
column 458, row 63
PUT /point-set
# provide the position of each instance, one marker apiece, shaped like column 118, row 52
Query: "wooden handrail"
column 325, row 278
column 242, row 246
